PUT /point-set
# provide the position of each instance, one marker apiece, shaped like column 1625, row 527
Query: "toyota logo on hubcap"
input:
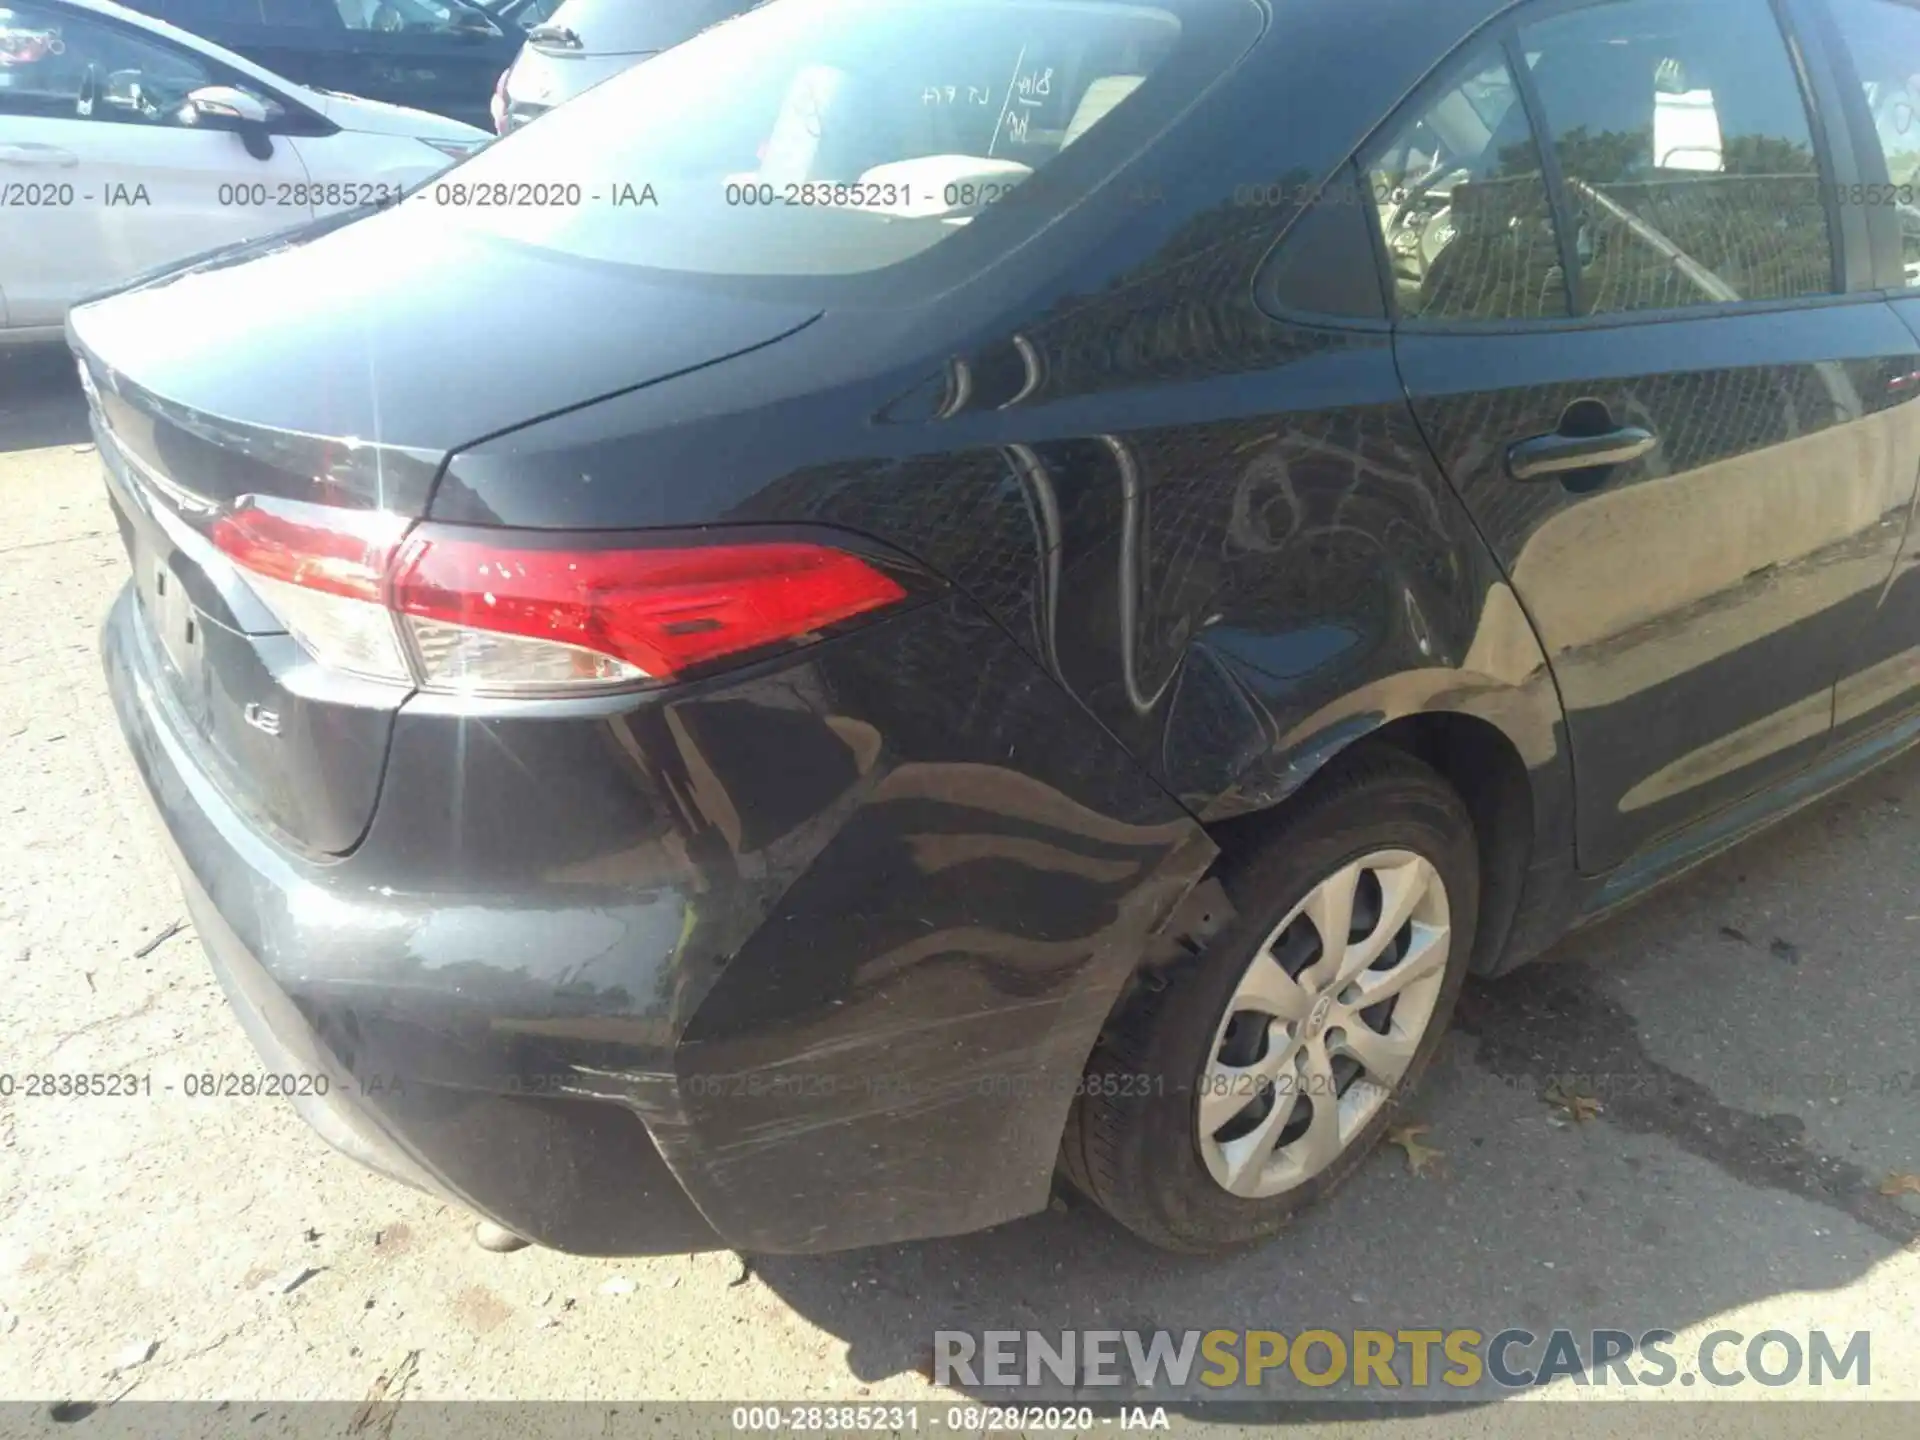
column 1317, row 1017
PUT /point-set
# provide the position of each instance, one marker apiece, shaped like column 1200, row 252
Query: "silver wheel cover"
column 1323, row 1024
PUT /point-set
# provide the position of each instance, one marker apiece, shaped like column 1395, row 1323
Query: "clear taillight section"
column 504, row 612
column 322, row 570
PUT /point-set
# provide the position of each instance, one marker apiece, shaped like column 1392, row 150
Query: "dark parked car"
column 438, row 55
column 585, row 41
column 1012, row 586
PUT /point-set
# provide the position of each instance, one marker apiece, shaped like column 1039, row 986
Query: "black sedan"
column 916, row 597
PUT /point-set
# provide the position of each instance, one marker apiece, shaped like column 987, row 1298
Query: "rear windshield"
column 837, row 137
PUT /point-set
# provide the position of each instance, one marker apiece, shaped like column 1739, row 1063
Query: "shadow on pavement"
column 1748, row 1035
column 40, row 399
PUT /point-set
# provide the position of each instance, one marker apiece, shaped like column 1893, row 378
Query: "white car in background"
column 126, row 144
column 584, row 41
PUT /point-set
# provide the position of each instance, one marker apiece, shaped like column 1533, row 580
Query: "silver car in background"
column 585, row 41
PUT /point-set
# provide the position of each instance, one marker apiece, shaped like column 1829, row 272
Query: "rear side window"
column 1884, row 41
column 1325, row 264
column 57, row 64
column 1463, row 205
column 1687, row 154
column 1683, row 148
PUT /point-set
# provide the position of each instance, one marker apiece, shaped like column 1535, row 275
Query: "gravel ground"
column 1757, row 1023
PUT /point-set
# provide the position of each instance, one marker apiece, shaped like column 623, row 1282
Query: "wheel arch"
column 1500, row 746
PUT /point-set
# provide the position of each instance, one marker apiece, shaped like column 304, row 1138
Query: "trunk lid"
column 338, row 366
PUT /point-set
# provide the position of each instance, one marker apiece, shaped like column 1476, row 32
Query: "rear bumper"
column 798, row 961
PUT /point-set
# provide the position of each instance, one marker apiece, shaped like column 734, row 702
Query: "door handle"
column 1545, row 456
column 32, row 154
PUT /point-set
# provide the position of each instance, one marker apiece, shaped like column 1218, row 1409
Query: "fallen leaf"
column 1900, row 1183
column 1419, row 1156
column 1580, row 1108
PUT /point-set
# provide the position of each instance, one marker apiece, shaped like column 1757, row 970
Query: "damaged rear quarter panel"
column 892, row 1051
column 842, row 932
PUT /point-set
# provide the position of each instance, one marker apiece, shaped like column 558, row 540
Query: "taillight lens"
column 482, row 613
column 322, row 570
column 504, row 612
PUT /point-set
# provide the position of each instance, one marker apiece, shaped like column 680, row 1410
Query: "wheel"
column 1253, row 1079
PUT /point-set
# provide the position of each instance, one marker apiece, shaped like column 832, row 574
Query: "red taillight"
column 509, row 613
column 318, row 547
column 660, row 611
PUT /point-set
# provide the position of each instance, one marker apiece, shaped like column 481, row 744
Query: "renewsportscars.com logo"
column 1441, row 1361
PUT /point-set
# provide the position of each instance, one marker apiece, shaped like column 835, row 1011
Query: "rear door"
column 1876, row 44
column 1634, row 350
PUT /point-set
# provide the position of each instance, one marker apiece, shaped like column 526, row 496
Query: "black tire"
column 1130, row 1143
